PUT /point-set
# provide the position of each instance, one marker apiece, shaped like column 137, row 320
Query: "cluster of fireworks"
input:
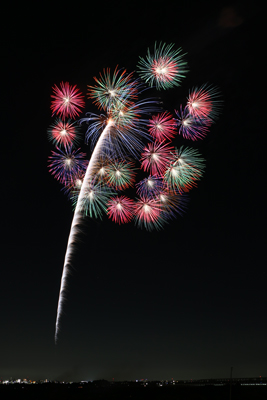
column 131, row 133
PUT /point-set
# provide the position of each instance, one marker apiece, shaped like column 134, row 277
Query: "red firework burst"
column 63, row 133
column 162, row 126
column 155, row 158
column 68, row 100
column 164, row 69
column 120, row 209
column 203, row 103
column 147, row 213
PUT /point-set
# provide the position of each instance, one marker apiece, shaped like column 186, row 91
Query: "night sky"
column 185, row 302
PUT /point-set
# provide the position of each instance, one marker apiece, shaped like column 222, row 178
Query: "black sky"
column 185, row 302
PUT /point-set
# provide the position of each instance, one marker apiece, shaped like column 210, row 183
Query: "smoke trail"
column 78, row 215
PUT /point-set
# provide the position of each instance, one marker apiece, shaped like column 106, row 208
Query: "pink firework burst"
column 155, row 158
column 68, row 100
column 120, row 209
column 148, row 213
column 164, row 69
column 162, row 126
column 63, row 133
column 203, row 103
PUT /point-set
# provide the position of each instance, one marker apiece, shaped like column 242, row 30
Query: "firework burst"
column 68, row 100
column 64, row 165
column 93, row 201
column 191, row 127
column 204, row 103
column 185, row 169
column 164, row 68
column 148, row 213
column 149, row 187
column 127, row 128
column 120, row 174
column 114, row 90
column 126, row 116
column 162, row 126
column 155, row 158
column 63, row 133
column 120, row 209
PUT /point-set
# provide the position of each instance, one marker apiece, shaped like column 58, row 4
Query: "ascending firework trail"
column 78, row 214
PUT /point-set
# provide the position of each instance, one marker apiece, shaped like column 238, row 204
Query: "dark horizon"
column 225, row 381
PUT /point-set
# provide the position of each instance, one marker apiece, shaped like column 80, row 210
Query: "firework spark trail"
column 78, row 216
